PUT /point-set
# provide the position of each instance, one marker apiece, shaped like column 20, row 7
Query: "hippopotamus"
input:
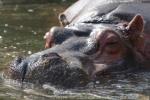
column 96, row 38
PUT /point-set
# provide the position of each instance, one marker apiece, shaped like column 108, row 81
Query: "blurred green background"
column 23, row 24
column 34, row 1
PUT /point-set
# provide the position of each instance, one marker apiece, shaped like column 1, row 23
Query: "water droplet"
column 30, row 10
column 13, row 56
column 34, row 33
column 97, row 82
column 24, row 51
column 17, row 43
column 29, row 52
column 21, row 26
column 118, row 86
column 5, row 31
column 1, row 39
column 6, row 25
column 8, row 54
column 14, row 47
column 5, row 47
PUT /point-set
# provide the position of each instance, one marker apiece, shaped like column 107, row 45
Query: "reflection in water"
column 1, row 39
column 130, row 86
column 21, row 33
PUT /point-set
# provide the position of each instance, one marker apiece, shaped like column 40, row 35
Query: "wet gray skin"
column 67, row 65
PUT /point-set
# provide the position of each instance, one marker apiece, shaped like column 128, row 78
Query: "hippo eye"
column 112, row 43
column 112, row 47
column 113, row 40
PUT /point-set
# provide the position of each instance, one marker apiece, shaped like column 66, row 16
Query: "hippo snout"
column 47, row 68
column 21, row 67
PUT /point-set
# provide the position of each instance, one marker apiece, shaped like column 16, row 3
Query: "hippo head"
column 120, row 47
column 77, row 60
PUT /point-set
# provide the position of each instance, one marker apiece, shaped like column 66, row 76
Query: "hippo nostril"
column 24, row 71
column 51, row 55
column 19, row 59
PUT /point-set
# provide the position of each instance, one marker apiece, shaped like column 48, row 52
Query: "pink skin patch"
column 49, row 40
column 46, row 35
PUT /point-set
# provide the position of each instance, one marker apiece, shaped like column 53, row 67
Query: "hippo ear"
column 136, row 24
column 135, row 29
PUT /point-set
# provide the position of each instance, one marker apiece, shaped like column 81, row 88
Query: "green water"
column 22, row 28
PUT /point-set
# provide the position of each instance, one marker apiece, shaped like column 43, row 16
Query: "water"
column 21, row 33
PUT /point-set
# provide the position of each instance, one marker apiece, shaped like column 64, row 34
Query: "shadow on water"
column 21, row 33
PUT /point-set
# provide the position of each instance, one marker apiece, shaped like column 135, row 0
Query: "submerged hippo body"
column 99, row 38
